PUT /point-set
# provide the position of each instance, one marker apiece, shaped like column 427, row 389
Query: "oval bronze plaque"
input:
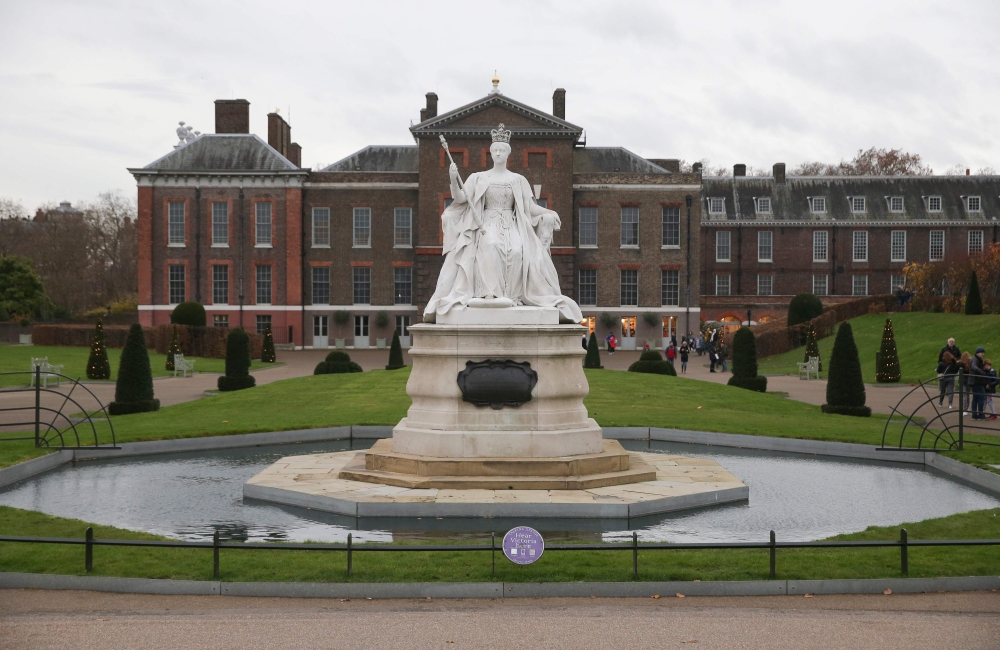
column 497, row 383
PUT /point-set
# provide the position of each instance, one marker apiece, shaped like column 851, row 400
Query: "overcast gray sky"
column 90, row 88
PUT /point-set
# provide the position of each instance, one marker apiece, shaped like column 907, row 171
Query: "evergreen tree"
column 888, row 371
column 745, row 362
column 175, row 347
column 134, row 388
column 812, row 347
column 845, row 389
column 335, row 363
column 395, row 354
column 267, row 354
column 237, row 375
column 97, row 365
column 804, row 307
column 593, row 359
column 973, row 302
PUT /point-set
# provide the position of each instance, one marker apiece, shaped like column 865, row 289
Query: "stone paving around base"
column 312, row 481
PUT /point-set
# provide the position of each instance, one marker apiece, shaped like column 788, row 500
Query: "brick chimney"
column 232, row 116
column 279, row 133
column 779, row 173
column 559, row 103
column 295, row 154
column 739, row 169
column 432, row 107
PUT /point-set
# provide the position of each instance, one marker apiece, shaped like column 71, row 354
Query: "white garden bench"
column 48, row 371
column 183, row 366
column 809, row 367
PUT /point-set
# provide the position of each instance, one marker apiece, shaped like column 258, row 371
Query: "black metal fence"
column 772, row 546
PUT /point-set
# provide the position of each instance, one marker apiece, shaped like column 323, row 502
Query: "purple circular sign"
column 523, row 545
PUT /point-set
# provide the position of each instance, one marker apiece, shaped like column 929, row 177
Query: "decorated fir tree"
column 175, row 347
column 973, row 302
column 887, row 371
column 97, row 365
column 845, row 388
column 267, row 354
column 812, row 347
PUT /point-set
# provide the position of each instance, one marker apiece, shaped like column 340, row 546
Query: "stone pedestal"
column 553, row 423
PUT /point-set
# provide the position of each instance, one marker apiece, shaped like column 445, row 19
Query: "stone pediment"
column 476, row 119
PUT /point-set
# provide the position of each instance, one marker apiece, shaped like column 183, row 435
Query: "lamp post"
column 749, row 312
column 688, row 201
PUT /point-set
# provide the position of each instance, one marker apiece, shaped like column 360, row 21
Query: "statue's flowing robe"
column 460, row 226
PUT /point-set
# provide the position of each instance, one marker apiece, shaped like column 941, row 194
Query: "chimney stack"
column 779, row 173
column 968, row 172
column 279, row 133
column 739, row 169
column 232, row 116
column 432, row 107
column 295, row 154
column 696, row 167
column 559, row 103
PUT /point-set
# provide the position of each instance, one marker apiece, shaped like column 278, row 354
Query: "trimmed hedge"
column 237, row 375
column 134, row 388
column 207, row 342
column 650, row 361
column 745, row 362
column 804, row 307
column 336, row 362
column 973, row 301
column 189, row 313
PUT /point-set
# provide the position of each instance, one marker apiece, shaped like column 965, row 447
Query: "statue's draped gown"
column 492, row 250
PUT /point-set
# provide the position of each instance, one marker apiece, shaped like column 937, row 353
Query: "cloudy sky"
column 89, row 88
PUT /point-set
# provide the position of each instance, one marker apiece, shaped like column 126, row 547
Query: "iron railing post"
column 38, row 406
column 904, row 552
column 215, row 555
column 349, row 558
column 635, row 555
column 961, row 411
column 88, row 555
column 493, row 554
column 773, row 553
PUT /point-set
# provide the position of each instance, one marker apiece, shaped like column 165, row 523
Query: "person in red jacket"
column 671, row 353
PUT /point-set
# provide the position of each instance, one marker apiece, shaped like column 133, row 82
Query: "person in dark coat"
column 685, row 352
column 952, row 349
column 947, row 370
column 978, row 379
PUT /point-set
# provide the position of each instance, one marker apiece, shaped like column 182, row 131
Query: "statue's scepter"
column 444, row 143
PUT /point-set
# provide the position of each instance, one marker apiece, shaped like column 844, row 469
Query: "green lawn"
column 18, row 358
column 554, row 566
column 919, row 338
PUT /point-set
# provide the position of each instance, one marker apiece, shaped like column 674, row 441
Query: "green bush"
column 607, row 320
column 593, row 359
column 134, row 388
column 845, row 389
column 651, row 318
column 745, row 362
column 340, row 317
column 336, row 362
column 804, row 307
column 237, row 375
column 267, row 352
column 98, row 366
column 654, row 367
column 973, row 302
column 381, row 318
column 650, row 355
column 175, row 347
column 188, row 313
column 395, row 354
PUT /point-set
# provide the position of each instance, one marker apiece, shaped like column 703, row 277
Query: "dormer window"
column 764, row 205
column 895, row 204
column 934, row 204
column 716, row 205
column 817, row 204
column 858, row 204
column 974, row 204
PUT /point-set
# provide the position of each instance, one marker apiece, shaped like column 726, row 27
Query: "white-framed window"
column 362, row 227
column 897, row 246
column 896, row 281
column 670, row 288
column 362, row 285
column 896, row 204
column 220, row 320
column 820, row 284
column 321, row 227
column 974, row 204
column 716, row 205
column 763, row 205
column 220, row 224
column 934, row 204
column 177, row 285
column 765, row 285
column 220, row 284
column 859, row 285
column 263, row 277
column 588, row 287
column 361, row 325
column 860, row 248
column 629, row 287
column 858, row 204
column 975, row 241
column 402, row 228
column 765, row 246
column 588, row 227
column 402, row 277
column 263, row 323
column 821, row 245
column 263, row 237
column 722, row 284
column 723, row 249
column 937, row 245
column 403, row 325
column 321, row 285
column 817, row 204
column 175, row 223
column 671, row 227
column 630, row 226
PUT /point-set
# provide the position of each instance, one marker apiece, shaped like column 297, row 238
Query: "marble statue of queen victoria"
column 496, row 243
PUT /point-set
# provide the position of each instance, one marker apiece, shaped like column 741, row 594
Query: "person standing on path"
column 965, row 365
column 584, row 341
column 951, row 349
column 671, row 353
column 612, row 343
column 947, row 370
column 685, row 351
column 991, row 387
column 723, row 355
column 978, row 378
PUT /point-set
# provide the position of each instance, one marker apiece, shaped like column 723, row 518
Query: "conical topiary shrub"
column 888, row 370
column 98, row 366
column 175, row 347
column 395, row 354
column 812, row 347
column 237, row 375
column 745, row 362
column 593, row 359
column 845, row 389
column 973, row 302
column 267, row 352
column 134, row 388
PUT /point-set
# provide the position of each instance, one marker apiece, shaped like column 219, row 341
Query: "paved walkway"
column 80, row 620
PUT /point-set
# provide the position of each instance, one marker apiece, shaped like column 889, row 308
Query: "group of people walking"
column 712, row 344
column 979, row 380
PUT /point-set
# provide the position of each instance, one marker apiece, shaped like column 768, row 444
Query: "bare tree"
column 869, row 162
column 114, row 248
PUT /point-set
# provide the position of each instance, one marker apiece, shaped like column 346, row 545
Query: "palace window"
column 670, row 288
column 588, row 227
column 821, row 248
column 765, row 245
column 321, row 285
column 321, row 227
column 860, row 285
column 362, row 285
column 220, row 284
column 263, row 323
column 764, row 205
column 817, row 204
column 263, row 224
column 588, row 287
column 937, row 245
column 858, row 204
column 975, row 241
column 402, row 277
column 934, row 204
column 974, row 204
column 860, row 250
column 896, row 204
column 263, row 277
column 403, row 227
column 716, row 205
column 220, row 320
column 175, row 223
column 630, row 226
column 820, row 284
column 671, row 227
column 362, row 227
column 722, row 285
column 765, row 285
column 723, row 250
column 629, row 287
column 897, row 246
column 220, row 224
column 177, row 287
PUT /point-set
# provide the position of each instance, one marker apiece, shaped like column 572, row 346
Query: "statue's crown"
column 499, row 135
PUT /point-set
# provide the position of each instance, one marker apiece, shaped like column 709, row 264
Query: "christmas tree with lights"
column 267, row 354
column 175, row 347
column 97, row 365
column 812, row 347
column 887, row 371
